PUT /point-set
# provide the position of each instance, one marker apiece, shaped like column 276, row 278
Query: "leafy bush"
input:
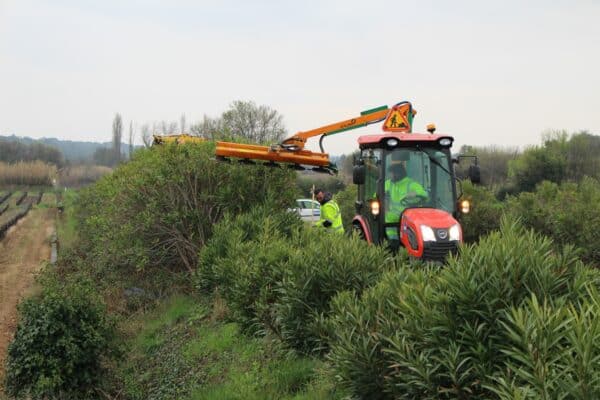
column 277, row 276
column 61, row 340
column 249, row 277
column 233, row 231
column 569, row 214
column 356, row 322
column 324, row 265
column 535, row 165
column 346, row 200
column 485, row 213
column 443, row 334
column 159, row 209
column 552, row 351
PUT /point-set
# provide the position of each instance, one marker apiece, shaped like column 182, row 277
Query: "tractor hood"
column 429, row 233
column 431, row 217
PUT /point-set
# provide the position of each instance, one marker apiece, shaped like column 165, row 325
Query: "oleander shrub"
column 249, row 276
column 568, row 213
column 233, row 231
column 61, row 341
column 358, row 330
column 324, row 265
column 346, row 200
column 484, row 216
column 444, row 333
column 159, row 209
column 552, row 351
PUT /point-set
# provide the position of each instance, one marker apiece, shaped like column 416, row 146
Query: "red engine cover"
column 410, row 227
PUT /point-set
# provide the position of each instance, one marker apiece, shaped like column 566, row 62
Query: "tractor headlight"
column 454, row 232
column 445, row 142
column 465, row 206
column 427, row 232
column 392, row 142
column 375, row 207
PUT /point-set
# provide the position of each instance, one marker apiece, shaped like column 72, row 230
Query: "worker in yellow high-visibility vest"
column 331, row 217
column 400, row 191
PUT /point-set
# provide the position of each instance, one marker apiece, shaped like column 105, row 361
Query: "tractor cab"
column 407, row 193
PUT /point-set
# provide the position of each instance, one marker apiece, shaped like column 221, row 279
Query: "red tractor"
column 422, row 215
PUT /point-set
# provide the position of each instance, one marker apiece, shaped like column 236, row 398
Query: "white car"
column 307, row 209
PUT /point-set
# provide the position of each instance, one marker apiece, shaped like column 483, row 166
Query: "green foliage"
column 277, row 277
column 485, row 213
column 356, row 323
column 346, row 200
column 159, row 209
column 492, row 160
column 325, row 265
column 61, row 340
column 182, row 352
column 12, row 151
column 234, row 232
column 553, row 351
column 443, row 333
column 559, row 158
column 536, row 165
column 569, row 213
column 248, row 278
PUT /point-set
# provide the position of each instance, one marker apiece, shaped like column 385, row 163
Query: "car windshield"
column 429, row 168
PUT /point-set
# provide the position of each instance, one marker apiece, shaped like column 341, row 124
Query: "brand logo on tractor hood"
column 442, row 233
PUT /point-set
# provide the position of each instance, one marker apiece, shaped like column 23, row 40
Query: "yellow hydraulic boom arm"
column 291, row 150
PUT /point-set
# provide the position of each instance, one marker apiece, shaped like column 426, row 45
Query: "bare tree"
column 168, row 128
column 146, row 135
column 182, row 124
column 117, row 130
column 210, row 128
column 259, row 124
column 130, row 139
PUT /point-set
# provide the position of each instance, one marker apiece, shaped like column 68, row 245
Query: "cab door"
column 369, row 192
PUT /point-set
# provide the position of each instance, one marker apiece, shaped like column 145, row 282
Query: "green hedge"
column 279, row 276
column 159, row 209
column 325, row 265
column 444, row 333
column 485, row 213
column 569, row 213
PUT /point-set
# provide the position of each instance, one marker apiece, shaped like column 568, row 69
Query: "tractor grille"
column 437, row 251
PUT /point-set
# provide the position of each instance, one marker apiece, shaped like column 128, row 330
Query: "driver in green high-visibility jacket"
column 400, row 191
column 331, row 217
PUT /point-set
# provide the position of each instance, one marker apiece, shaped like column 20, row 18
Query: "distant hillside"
column 71, row 150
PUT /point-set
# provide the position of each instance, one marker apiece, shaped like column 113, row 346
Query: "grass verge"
column 184, row 350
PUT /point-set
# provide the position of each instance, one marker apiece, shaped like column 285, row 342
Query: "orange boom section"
column 273, row 154
column 291, row 150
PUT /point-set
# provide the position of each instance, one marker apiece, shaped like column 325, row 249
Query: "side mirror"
column 359, row 173
column 474, row 173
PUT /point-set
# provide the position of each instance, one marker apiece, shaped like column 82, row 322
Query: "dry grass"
column 34, row 173
column 80, row 175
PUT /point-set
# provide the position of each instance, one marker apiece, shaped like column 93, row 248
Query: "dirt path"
column 22, row 253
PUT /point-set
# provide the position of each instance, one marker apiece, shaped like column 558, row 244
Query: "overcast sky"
column 486, row 72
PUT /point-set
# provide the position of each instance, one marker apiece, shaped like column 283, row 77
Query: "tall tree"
column 117, row 131
column 130, row 139
column 182, row 123
column 257, row 124
column 146, row 134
